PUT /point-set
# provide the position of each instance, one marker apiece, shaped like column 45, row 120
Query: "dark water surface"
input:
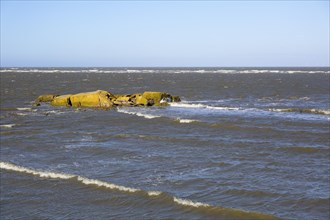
column 243, row 144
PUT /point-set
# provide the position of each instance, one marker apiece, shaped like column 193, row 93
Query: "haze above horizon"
column 164, row 33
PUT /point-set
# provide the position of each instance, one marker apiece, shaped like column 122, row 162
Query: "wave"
column 229, row 213
column 95, row 182
column 252, row 110
column 189, row 105
column 187, row 202
column 21, row 114
column 302, row 110
column 162, row 70
column 56, row 112
column 150, row 116
column 7, row 126
column 24, row 109
column 184, row 121
column 147, row 116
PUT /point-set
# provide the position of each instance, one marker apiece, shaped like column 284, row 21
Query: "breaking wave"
column 189, row 105
column 53, row 175
column 230, row 213
column 186, row 121
column 187, row 202
column 162, row 70
column 147, row 116
column 220, row 108
column 7, row 126
column 24, row 109
column 301, row 110
column 150, row 116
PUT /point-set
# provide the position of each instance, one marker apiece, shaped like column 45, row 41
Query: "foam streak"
column 188, row 105
column 187, row 202
column 99, row 183
column 7, row 126
column 52, row 175
column 147, row 116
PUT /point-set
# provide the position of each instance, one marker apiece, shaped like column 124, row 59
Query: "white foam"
column 275, row 110
column 147, row 116
column 187, row 202
column 7, row 126
column 54, row 112
column 21, row 114
column 93, row 70
column 154, row 193
column 201, row 71
column 9, row 166
column 222, row 108
column 24, row 109
column 315, row 111
column 133, row 71
column 186, row 105
column 189, row 105
column 326, row 112
column 52, row 175
column 87, row 181
column 186, row 120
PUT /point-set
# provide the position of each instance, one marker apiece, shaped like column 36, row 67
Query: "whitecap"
column 133, row 71
column 93, row 70
column 7, row 126
column 87, row 181
column 298, row 110
column 99, row 183
column 21, row 114
column 9, row 166
column 24, row 109
column 154, row 193
column 186, row 105
column 189, row 105
column 54, row 112
column 186, row 120
column 222, row 108
column 147, row 116
column 187, row 202
column 53, row 175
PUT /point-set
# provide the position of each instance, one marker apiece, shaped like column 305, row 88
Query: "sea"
column 243, row 143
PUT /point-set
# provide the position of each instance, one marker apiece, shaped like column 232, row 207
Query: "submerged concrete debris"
column 105, row 99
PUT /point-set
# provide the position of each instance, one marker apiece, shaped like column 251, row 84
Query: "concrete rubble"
column 105, row 99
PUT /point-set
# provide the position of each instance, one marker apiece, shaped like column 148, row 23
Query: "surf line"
column 99, row 183
column 53, row 175
column 87, row 181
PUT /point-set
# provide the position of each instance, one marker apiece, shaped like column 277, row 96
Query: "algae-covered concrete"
column 104, row 99
column 99, row 98
column 45, row 98
column 157, row 98
column 62, row 100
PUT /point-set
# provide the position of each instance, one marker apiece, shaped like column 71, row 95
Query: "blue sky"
column 164, row 33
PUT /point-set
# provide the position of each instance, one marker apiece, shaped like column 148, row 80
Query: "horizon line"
column 2, row 67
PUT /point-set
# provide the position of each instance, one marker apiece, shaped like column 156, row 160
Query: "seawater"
column 244, row 143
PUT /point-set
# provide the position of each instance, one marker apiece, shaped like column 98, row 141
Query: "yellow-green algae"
column 105, row 99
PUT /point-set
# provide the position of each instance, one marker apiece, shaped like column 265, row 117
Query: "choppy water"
column 243, row 144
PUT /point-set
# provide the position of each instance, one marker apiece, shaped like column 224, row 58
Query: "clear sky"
column 164, row 33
